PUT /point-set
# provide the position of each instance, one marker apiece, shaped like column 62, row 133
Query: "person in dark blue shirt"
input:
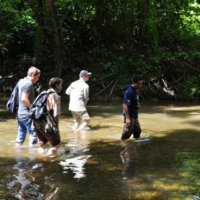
column 130, row 109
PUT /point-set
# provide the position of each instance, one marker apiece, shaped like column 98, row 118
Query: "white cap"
column 85, row 73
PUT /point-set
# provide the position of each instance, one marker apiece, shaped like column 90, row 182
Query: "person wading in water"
column 130, row 109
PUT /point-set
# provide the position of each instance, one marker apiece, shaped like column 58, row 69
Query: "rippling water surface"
column 95, row 164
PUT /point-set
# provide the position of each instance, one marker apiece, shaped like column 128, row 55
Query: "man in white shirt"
column 79, row 96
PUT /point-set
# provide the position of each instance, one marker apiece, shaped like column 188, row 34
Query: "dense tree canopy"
column 114, row 39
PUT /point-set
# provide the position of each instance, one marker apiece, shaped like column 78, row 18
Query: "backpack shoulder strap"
column 50, row 92
column 40, row 96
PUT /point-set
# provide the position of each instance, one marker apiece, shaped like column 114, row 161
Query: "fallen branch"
column 51, row 194
column 113, row 88
column 104, row 89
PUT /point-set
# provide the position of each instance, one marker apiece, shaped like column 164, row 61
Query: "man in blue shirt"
column 130, row 109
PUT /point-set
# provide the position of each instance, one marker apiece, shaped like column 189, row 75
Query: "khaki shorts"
column 80, row 116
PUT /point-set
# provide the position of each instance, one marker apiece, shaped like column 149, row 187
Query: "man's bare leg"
column 53, row 151
column 84, row 125
column 41, row 149
column 75, row 126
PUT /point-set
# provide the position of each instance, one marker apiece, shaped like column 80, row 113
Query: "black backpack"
column 13, row 102
column 39, row 108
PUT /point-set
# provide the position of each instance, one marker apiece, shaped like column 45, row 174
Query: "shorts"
column 80, row 116
column 134, row 129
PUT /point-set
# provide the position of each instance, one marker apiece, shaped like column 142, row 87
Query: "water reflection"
column 167, row 167
column 129, row 155
column 78, row 155
column 128, row 158
column 196, row 197
column 22, row 184
column 27, row 175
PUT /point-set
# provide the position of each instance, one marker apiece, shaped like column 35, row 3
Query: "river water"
column 95, row 164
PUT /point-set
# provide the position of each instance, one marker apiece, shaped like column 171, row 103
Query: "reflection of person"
column 130, row 109
column 78, row 156
column 79, row 96
column 47, row 129
column 128, row 158
column 21, row 182
column 26, row 98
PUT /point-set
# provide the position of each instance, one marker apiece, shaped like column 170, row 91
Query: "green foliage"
column 16, row 37
column 114, row 39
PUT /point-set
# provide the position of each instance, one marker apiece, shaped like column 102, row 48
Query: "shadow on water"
column 165, row 168
column 162, row 168
column 92, row 165
column 182, row 111
column 172, row 110
column 107, row 112
column 88, row 175
column 4, row 114
column 193, row 122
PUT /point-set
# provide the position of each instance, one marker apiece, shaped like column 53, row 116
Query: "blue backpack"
column 13, row 102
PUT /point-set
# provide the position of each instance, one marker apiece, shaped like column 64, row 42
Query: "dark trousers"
column 134, row 129
column 47, row 131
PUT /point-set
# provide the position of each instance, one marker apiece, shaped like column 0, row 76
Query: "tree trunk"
column 45, row 14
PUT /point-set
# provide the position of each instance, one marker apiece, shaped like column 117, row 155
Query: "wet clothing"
column 131, row 99
column 47, row 128
column 25, row 85
column 24, row 126
column 47, row 131
column 79, row 95
column 134, row 129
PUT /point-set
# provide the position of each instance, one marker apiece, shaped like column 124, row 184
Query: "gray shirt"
column 25, row 86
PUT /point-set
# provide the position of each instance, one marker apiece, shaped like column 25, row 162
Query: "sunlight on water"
column 95, row 164
column 77, row 156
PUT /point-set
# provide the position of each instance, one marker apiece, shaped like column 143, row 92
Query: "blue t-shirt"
column 131, row 99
